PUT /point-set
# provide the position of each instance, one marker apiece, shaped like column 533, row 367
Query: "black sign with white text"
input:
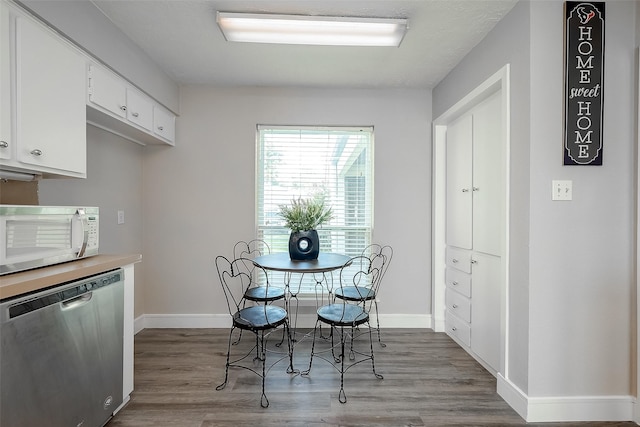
column 584, row 77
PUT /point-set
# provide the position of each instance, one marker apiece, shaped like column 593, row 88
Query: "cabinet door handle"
column 455, row 306
column 476, row 189
column 135, row 114
column 4, row 144
column 454, row 283
column 454, row 329
column 473, row 261
column 160, row 128
column 465, row 190
column 123, row 107
column 36, row 152
column 455, row 261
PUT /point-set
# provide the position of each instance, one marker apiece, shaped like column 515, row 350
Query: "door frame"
column 637, row 343
column 499, row 82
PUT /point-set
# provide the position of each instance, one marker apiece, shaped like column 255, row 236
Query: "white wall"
column 114, row 182
column 200, row 195
column 572, row 262
column 508, row 43
column 581, row 263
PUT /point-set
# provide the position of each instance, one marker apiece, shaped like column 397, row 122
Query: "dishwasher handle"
column 77, row 301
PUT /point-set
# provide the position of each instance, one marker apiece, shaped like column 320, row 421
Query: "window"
column 335, row 162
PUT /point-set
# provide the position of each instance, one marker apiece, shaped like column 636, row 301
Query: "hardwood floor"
column 428, row 381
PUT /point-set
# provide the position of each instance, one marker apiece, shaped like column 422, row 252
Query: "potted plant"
column 303, row 216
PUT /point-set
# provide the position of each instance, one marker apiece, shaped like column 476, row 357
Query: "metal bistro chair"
column 257, row 292
column 364, row 293
column 343, row 314
column 236, row 277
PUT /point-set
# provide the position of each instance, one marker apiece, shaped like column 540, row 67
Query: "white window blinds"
column 336, row 162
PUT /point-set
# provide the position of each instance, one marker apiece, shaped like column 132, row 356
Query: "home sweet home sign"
column 584, row 78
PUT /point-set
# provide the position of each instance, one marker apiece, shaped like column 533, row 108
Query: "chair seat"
column 355, row 293
column 342, row 314
column 263, row 293
column 260, row 317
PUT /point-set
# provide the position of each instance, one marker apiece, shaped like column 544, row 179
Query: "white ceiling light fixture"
column 311, row 30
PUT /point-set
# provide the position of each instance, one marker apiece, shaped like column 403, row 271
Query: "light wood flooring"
column 428, row 381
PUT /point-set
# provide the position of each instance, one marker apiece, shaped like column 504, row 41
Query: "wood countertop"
column 24, row 282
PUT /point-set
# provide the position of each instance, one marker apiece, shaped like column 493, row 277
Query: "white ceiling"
column 182, row 37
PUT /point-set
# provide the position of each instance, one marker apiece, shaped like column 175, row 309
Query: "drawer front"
column 459, row 305
column 459, row 259
column 459, row 281
column 458, row 329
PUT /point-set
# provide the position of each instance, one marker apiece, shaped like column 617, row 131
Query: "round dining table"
column 281, row 261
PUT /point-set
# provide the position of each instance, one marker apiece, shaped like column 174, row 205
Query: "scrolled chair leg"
column 226, row 367
column 264, row 402
column 378, row 325
column 373, row 365
column 342, row 396
column 313, row 346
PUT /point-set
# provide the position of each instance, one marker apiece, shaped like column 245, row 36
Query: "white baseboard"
column 511, row 394
column 566, row 408
column 305, row 320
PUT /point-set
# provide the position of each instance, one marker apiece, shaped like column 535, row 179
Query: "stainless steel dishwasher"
column 61, row 354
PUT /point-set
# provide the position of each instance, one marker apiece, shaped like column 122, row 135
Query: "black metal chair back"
column 364, row 288
column 236, row 277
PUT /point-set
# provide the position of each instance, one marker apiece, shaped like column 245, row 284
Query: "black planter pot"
column 304, row 245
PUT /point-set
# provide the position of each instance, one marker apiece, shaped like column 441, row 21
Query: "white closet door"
column 487, row 176
column 459, row 182
column 485, row 308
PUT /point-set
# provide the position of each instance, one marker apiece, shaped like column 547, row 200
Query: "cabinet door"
column 107, row 91
column 485, row 313
column 139, row 109
column 488, row 188
column 459, row 185
column 164, row 124
column 5, row 84
column 50, row 100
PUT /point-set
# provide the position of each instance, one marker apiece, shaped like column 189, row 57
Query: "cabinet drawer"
column 459, row 281
column 459, row 258
column 459, row 305
column 458, row 328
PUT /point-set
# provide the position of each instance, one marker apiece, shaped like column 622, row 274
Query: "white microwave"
column 37, row 236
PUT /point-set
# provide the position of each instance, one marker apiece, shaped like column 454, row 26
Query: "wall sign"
column 584, row 78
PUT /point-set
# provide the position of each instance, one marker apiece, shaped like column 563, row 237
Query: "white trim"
column 511, row 394
column 636, row 417
column 305, row 320
column 566, row 408
column 500, row 81
column 580, row 408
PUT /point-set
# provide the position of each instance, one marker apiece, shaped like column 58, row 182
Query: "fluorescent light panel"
column 311, row 30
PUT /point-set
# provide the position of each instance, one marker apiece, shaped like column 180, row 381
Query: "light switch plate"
column 561, row 190
column 120, row 217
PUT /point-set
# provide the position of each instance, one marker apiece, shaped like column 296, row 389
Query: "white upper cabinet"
column 139, row 109
column 164, row 123
column 45, row 118
column 5, row 84
column 460, row 183
column 488, row 208
column 107, row 91
column 117, row 106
